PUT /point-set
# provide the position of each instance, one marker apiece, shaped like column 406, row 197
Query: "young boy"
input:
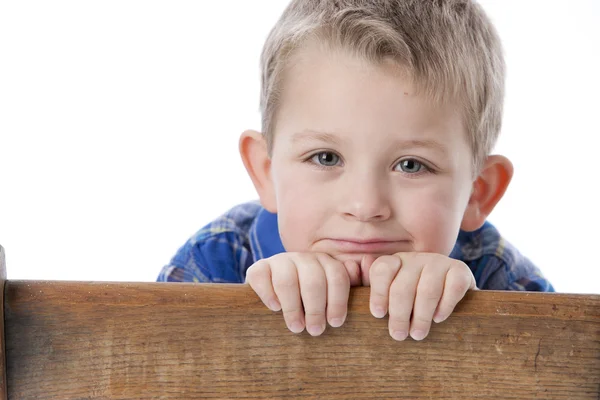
column 372, row 168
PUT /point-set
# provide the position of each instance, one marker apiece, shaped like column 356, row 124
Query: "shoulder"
column 496, row 263
column 218, row 252
column 236, row 220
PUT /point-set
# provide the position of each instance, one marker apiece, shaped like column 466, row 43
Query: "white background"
column 119, row 123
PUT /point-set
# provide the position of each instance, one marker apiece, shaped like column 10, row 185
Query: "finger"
column 258, row 276
column 354, row 272
column 287, row 289
column 429, row 293
column 338, row 289
column 458, row 281
column 313, row 289
column 381, row 274
column 402, row 296
column 365, row 268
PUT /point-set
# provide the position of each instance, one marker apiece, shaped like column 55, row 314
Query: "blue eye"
column 326, row 159
column 411, row 166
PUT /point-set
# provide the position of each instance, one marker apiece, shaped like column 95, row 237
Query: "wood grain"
column 2, row 349
column 75, row 340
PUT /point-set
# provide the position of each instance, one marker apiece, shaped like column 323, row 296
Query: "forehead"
column 330, row 90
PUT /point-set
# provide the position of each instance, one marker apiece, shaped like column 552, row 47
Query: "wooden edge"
column 2, row 264
column 3, row 392
column 65, row 315
column 562, row 306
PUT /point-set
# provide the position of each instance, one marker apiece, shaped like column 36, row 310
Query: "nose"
column 366, row 199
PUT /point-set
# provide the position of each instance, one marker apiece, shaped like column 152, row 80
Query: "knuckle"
column 413, row 258
column 388, row 260
column 459, row 268
column 427, row 267
column 429, row 293
column 258, row 266
column 399, row 322
column 338, row 278
column 400, row 314
column 398, row 296
column 312, row 283
column 303, row 259
column 291, row 311
column 421, row 320
column 458, row 287
column 378, row 269
column 315, row 314
column 380, row 297
column 250, row 276
column 336, row 307
column 336, row 265
column 460, row 277
column 402, row 291
column 255, row 271
column 284, row 283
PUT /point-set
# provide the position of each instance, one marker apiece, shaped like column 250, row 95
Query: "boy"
column 373, row 168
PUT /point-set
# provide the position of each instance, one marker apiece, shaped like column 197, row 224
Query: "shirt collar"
column 264, row 236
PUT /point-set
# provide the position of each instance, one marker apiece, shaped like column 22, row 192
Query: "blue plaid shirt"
column 223, row 250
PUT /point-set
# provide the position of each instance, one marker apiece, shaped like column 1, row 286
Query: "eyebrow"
column 330, row 138
column 307, row 135
column 421, row 143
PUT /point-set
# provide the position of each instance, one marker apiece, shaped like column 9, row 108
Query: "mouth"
column 353, row 246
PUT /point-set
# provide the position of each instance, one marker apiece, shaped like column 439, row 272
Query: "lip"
column 365, row 246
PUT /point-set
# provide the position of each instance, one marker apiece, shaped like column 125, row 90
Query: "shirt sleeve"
column 529, row 278
column 218, row 258
column 183, row 267
column 496, row 263
column 519, row 275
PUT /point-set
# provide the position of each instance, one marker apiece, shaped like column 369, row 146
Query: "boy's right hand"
column 310, row 288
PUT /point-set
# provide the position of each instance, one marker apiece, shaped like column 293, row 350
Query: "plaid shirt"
column 223, row 250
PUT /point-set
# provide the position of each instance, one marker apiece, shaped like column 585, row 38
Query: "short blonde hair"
column 449, row 47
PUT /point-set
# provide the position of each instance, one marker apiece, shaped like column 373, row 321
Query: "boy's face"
column 362, row 165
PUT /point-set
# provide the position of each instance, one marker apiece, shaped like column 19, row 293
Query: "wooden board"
column 2, row 350
column 75, row 340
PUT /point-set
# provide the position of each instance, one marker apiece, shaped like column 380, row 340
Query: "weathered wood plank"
column 156, row 340
column 2, row 347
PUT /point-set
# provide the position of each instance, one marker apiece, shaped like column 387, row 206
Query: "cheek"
column 433, row 216
column 300, row 208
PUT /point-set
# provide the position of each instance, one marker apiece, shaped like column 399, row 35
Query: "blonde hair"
column 449, row 47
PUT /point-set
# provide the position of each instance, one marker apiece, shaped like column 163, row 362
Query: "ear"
column 488, row 189
column 255, row 156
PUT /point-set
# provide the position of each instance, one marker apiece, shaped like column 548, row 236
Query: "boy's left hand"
column 416, row 288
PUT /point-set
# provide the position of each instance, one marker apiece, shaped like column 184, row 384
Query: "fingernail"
column 315, row 330
column 296, row 327
column 399, row 335
column 337, row 322
column 274, row 305
column 378, row 312
column 437, row 318
column 418, row 334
